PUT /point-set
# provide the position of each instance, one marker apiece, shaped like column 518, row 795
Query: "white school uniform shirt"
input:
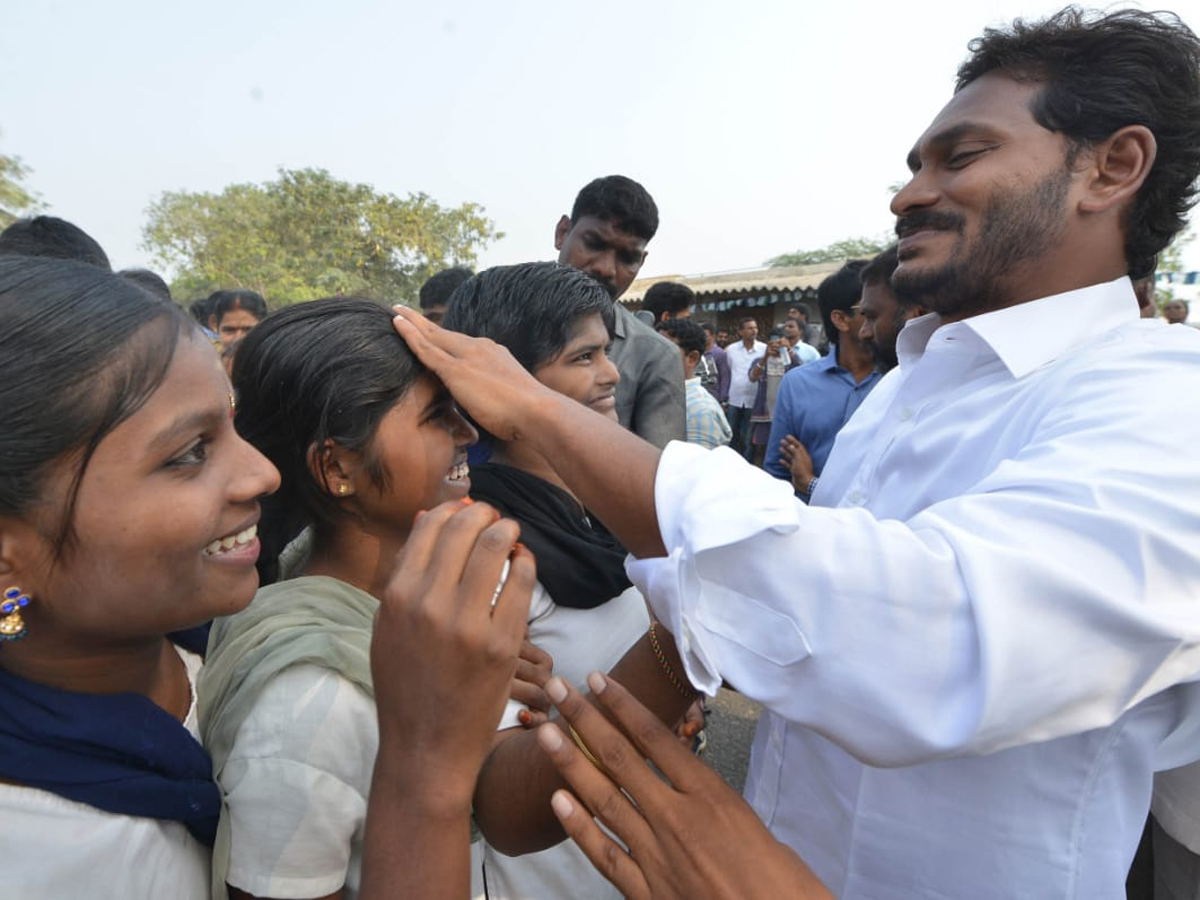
column 299, row 774
column 58, row 849
column 581, row 641
column 996, row 637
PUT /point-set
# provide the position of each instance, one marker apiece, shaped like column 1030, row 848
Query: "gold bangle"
column 687, row 691
column 583, row 747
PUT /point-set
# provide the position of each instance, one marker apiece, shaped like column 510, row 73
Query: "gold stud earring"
column 12, row 626
column 342, row 489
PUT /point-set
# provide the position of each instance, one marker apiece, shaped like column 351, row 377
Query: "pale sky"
column 759, row 129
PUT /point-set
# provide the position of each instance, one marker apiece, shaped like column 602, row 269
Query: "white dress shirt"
column 1177, row 804
column 995, row 636
column 742, row 390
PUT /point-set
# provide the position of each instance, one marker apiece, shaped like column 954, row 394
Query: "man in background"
column 52, row 237
column 668, row 300
column 436, row 291
column 817, row 399
column 743, row 391
column 714, row 368
column 706, row 423
column 611, row 222
column 883, row 313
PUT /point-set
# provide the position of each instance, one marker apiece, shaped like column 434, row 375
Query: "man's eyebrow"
column 941, row 140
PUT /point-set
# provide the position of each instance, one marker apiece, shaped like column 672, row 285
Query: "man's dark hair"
column 1100, row 73
column 742, row 320
column 148, row 281
column 621, row 201
column 881, row 267
column 709, row 328
column 841, row 290
column 687, row 334
column 802, row 309
column 51, row 237
column 668, row 297
column 437, row 289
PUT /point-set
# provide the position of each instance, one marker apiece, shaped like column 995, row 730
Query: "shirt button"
column 906, row 413
column 856, row 498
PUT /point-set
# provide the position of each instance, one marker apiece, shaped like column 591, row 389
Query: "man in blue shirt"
column 816, row 400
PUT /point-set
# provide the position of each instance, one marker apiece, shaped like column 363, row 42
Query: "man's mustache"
column 928, row 220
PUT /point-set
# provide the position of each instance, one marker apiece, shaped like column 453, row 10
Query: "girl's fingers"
column 653, row 740
column 511, row 610
column 449, row 561
column 605, row 801
column 487, row 564
column 605, row 854
column 426, row 535
column 615, row 753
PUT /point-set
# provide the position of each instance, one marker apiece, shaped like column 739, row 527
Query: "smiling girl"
column 128, row 512
column 557, row 322
column 365, row 440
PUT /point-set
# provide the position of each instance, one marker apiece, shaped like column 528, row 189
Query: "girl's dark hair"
column 221, row 302
column 532, row 309
column 83, row 350
column 328, row 370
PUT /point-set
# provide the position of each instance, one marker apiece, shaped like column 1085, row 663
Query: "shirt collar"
column 1029, row 335
column 619, row 314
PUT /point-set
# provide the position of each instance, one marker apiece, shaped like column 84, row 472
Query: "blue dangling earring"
column 12, row 626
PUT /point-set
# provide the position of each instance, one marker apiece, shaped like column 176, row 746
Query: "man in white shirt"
column 997, row 641
column 742, row 390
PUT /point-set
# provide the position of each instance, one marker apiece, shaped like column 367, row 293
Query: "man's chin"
column 609, row 288
column 917, row 284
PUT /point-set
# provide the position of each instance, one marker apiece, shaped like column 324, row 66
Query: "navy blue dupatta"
column 121, row 753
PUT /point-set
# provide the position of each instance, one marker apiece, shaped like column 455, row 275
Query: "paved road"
column 730, row 731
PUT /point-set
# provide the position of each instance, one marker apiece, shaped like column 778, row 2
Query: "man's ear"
column 334, row 467
column 1117, row 168
column 212, row 323
column 693, row 358
column 841, row 320
column 561, row 230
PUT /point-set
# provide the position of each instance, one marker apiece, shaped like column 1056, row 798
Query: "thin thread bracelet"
column 583, row 747
column 685, row 690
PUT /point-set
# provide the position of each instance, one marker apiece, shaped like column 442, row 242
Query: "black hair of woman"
column 328, row 370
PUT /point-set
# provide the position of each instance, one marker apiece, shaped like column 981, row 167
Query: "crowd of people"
column 366, row 603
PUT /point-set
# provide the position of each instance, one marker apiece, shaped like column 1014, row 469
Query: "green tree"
column 15, row 199
column 307, row 235
column 850, row 248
